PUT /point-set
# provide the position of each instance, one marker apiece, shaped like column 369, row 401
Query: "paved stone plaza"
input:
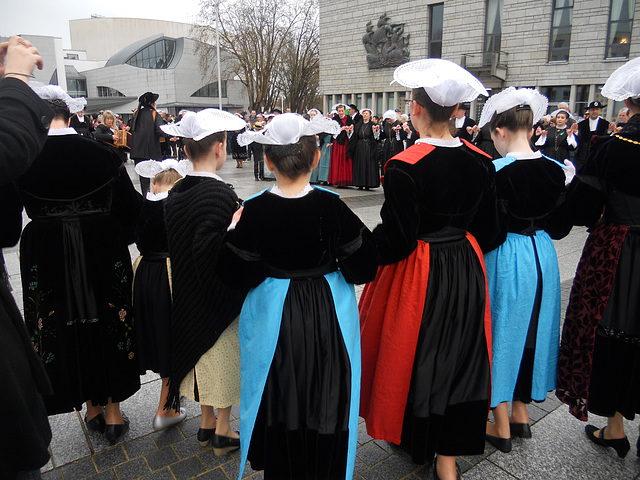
column 558, row 449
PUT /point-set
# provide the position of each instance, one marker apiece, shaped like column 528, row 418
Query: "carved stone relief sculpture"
column 386, row 44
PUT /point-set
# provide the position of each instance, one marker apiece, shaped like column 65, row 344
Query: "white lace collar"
column 440, row 142
column 276, row 191
column 156, row 197
column 58, row 132
column 200, row 173
column 525, row 155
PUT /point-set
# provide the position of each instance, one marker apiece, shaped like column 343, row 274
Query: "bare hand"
column 329, row 145
column 237, row 215
column 19, row 57
column 573, row 128
column 612, row 127
column 469, row 130
column 115, row 138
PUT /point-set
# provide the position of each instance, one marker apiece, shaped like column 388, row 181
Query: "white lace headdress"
column 204, row 123
column 624, row 82
column 150, row 168
column 288, row 129
column 514, row 97
column 55, row 92
column 446, row 83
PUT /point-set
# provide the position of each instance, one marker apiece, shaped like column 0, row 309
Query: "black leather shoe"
column 435, row 470
column 115, row 432
column 620, row 445
column 97, row 423
column 204, row 436
column 522, row 430
column 502, row 444
column 222, row 444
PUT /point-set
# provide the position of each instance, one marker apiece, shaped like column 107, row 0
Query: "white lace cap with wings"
column 204, row 123
column 55, row 92
column 446, row 83
column 288, row 128
column 624, row 82
column 513, row 97
column 150, row 168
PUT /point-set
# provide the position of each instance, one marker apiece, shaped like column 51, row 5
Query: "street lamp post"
column 218, row 54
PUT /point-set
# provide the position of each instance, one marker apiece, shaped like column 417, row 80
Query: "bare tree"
column 260, row 37
column 299, row 72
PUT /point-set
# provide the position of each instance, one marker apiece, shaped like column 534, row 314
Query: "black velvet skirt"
column 301, row 430
column 152, row 313
column 448, row 399
column 615, row 373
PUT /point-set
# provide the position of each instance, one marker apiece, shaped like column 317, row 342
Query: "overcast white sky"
column 51, row 17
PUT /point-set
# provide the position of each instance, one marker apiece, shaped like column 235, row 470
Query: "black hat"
column 595, row 104
column 148, row 98
column 351, row 105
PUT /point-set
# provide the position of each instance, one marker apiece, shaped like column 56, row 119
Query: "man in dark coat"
column 81, row 124
column 24, row 121
column 592, row 126
column 145, row 128
column 463, row 124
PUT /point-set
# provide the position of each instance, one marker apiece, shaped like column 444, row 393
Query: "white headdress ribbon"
column 446, row 83
column 150, row 168
column 204, row 123
column 513, row 97
column 288, row 128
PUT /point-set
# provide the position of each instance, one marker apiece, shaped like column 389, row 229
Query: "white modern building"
column 115, row 60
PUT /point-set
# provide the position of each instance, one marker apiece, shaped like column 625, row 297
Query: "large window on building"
column 556, row 94
column 77, row 87
column 582, row 99
column 109, row 92
column 620, row 23
column 436, row 21
column 493, row 29
column 561, row 22
column 211, row 90
column 157, row 55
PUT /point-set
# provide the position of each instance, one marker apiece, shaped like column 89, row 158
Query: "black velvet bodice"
column 306, row 234
column 452, row 188
column 528, row 193
column 610, row 180
column 151, row 231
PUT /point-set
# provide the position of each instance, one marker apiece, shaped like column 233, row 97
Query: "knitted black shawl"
column 197, row 212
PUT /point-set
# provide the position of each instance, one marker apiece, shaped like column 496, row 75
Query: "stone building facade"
column 564, row 48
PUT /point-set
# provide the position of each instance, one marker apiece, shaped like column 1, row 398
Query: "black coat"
column 584, row 139
column 462, row 132
column 84, row 128
column 24, row 431
column 146, row 135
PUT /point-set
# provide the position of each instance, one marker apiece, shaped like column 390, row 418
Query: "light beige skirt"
column 217, row 373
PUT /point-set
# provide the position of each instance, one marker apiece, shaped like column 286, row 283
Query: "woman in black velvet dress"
column 425, row 324
column 599, row 364
column 365, row 163
column 76, row 274
column 301, row 250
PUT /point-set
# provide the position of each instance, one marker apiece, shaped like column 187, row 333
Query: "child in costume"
column 199, row 209
column 523, row 274
column 300, row 250
column 151, row 283
column 425, row 321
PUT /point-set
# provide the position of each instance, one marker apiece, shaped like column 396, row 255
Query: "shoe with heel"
column 222, row 445
column 620, row 445
column 522, row 430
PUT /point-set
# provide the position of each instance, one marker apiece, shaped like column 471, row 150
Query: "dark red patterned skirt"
column 599, row 363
